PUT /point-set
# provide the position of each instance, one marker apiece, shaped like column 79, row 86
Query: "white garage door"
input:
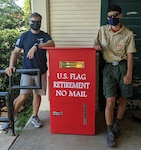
column 74, row 22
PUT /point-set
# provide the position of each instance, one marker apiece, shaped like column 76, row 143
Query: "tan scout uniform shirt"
column 115, row 45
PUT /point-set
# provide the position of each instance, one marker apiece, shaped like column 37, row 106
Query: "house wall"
column 75, row 22
column 42, row 8
column 70, row 23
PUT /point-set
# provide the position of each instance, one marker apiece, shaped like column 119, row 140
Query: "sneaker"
column 111, row 139
column 36, row 122
column 5, row 126
column 116, row 130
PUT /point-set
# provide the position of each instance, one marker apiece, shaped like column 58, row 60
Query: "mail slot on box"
column 72, row 83
column 73, row 64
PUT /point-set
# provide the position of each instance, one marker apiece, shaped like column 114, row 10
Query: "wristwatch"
column 36, row 44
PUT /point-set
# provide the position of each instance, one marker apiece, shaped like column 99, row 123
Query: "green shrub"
column 25, row 114
column 8, row 38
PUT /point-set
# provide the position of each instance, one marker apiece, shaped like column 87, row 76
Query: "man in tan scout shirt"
column 117, row 45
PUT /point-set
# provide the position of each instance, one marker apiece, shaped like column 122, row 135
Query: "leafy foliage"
column 11, row 15
column 13, row 23
column 25, row 114
column 7, row 39
column 27, row 11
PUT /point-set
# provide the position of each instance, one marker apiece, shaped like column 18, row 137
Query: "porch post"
column 42, row 8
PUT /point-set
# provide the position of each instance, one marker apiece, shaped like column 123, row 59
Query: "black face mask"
column 35, row 25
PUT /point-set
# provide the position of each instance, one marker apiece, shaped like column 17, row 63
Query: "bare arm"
column 33, row 49
column 49, row 43
column 128, row 76
column 12, row 62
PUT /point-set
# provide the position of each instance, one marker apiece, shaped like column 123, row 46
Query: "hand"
column 97, row 47
column 127, row 79
column 9, row 71
column 31, row 52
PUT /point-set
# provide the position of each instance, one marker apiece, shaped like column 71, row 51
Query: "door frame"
column 104, row 7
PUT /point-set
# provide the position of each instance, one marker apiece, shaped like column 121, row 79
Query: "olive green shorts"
column 113, row 84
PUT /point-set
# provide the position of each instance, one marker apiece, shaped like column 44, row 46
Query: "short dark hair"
column 35, row 14
column 114, row 8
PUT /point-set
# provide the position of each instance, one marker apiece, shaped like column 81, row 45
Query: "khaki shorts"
column 113, row 84
column 29, row 80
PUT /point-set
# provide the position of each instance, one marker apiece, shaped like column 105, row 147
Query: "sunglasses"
column 113, row 16
column 33, row 21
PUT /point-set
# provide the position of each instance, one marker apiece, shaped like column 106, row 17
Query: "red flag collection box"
column 72, row 90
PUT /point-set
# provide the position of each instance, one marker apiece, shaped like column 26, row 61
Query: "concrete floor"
column 42, row 139
column 6, row 140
